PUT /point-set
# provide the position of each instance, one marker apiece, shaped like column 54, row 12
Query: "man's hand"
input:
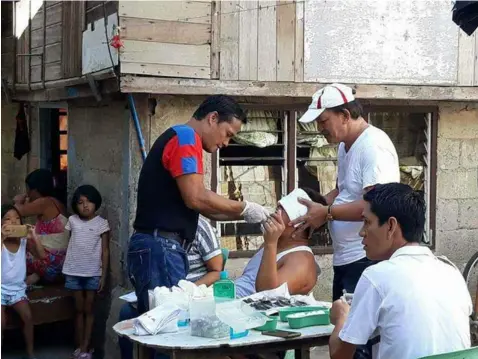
column 273, row 228
column 339, row 312
column 254, row 213
column 316, row 216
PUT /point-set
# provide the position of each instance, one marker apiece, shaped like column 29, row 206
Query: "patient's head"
column 292, row 209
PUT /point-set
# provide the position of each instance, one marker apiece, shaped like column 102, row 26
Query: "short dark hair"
column 225, row 106
column 353, row 107
column 42, row 181
column 315, row 196
column 10, row 207
column 402, row 202
column 89, row 192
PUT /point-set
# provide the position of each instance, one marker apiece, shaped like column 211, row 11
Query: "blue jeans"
column 126, row 346
column 346, row 277
column 154, row 261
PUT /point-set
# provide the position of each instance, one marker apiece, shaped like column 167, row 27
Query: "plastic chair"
column 471, row 353
column 225, row 256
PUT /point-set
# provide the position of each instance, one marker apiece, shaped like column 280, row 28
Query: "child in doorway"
column 14, row 271
column 86, row 262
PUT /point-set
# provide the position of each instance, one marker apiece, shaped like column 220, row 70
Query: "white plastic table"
column 182, row 345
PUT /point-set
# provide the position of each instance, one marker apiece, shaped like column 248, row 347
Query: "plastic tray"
column 284, row 312
column 308, row 319
column 271, row 324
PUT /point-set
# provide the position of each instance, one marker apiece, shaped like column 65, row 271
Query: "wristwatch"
column 329, row 214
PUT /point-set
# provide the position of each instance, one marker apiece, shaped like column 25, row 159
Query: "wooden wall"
column 166, row 38
column 261, row 40
column 55, row 30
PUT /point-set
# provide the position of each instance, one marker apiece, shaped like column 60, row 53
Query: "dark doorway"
column 54, row 146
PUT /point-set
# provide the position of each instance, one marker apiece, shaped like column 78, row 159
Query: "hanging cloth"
column 22, row 141
column 465, row 15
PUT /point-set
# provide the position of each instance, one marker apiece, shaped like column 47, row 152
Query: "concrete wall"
column 14, row 171
column 457, row 182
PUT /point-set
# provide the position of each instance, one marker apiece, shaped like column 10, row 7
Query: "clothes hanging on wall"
column 22, row 140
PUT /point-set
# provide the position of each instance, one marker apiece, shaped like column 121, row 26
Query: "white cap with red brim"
column 327, row 97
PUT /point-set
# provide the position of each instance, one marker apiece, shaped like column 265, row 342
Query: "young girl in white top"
column 14, row 271
column 86, row 262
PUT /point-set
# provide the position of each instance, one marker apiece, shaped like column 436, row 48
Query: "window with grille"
column 412, row 132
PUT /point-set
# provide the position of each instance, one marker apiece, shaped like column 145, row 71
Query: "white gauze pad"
column 291, row 205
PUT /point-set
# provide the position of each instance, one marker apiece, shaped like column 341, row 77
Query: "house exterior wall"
column 457, row 182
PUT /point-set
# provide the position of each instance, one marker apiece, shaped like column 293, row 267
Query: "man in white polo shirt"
column 366, row 156
column 416, row 304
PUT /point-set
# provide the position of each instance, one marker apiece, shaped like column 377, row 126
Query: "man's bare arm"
column 339, row 349
column 206, row 202
column 295, row 271
column 214, row 268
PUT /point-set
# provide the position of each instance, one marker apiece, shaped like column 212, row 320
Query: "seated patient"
column 205, row 255
column 283, row 258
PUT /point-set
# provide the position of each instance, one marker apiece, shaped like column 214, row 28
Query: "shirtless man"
column 283, row 258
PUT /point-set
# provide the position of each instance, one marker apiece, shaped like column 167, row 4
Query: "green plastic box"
column 271, row 324
column 284, row 312
column 308, row 319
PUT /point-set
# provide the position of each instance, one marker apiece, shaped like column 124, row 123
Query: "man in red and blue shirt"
column 171, row 195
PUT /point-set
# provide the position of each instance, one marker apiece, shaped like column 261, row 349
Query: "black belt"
column 175, row 236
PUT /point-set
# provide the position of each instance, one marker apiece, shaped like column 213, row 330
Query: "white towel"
column 162, row 319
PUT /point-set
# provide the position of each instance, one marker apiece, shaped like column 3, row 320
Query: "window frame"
column 290, row 154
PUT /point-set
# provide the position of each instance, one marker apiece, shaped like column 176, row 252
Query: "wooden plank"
column 475, row 83
column 155, row 85
column 53, row 16
column 52, row 72
column 285, row 40
column 7, row 66
column 72, row 38
column 165, row 70
column 229, row 41
column 7, row 44
column 98, row 12
column 53, row 34
column 215, row 38
column 267, row 41
column 248, row 40
column 184, row 11
column 52, row 54
column 52, row 3
column 164, row 53
column 165, row 31
column 299, row 42
column 466, row 59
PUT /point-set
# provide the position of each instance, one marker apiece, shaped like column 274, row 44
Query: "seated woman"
column 283, row 259
column 50, row 226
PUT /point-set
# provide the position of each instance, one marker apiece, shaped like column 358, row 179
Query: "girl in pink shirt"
column 86, row 262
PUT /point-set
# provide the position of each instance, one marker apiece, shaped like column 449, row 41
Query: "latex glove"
column 254, row 213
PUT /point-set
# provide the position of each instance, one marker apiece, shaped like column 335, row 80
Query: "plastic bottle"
column 224, row 288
